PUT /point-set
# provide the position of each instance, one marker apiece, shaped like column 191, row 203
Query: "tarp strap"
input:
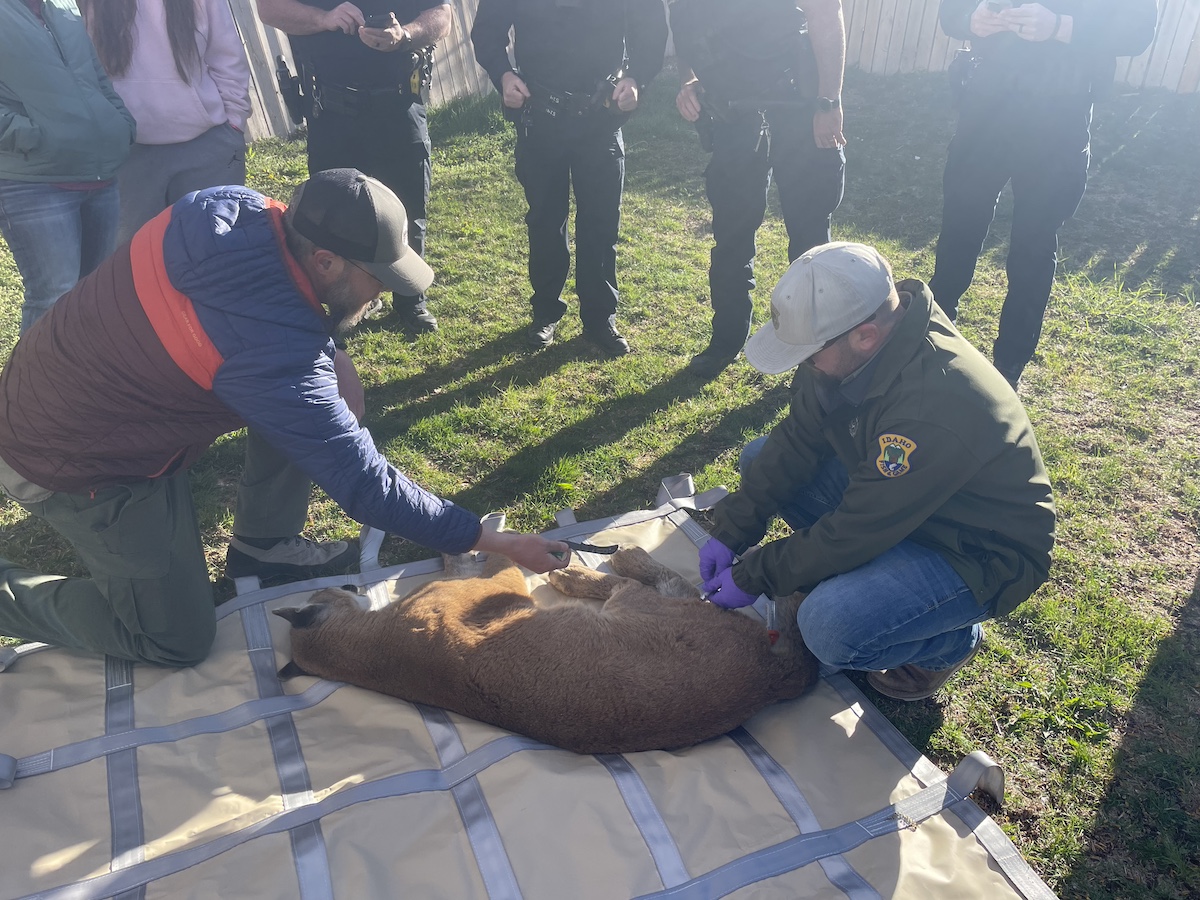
column 308, row 842
column 124, row 792
column 839, row 872
column 808, row 848
column 252, row 711
column 10, row 655
column 499, row 879
column 680, row 491
column 399, row 785
column 1003, row 852
column 8, row 771
column 908, row 755
column 989, row 834
column 647, row 818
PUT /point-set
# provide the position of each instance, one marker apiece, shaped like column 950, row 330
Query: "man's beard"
column 344, row 309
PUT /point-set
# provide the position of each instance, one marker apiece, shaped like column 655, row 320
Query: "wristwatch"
column 825, row 104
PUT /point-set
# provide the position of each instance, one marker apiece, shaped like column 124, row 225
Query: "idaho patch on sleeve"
column 894, row 453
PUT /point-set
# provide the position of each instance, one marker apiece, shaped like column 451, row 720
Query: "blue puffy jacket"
column 202, row 324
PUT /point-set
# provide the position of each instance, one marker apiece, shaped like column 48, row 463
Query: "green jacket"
column 939, row 451
column 60, row 119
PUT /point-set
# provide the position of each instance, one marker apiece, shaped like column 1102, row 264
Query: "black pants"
column 552, row 157
column 810, row 180
column 1041, row 145
column 388, row 141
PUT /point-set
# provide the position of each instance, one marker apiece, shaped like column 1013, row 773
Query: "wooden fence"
column 882, row 36
column 890, row 36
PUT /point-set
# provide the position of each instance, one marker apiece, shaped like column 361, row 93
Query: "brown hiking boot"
column 912, row 682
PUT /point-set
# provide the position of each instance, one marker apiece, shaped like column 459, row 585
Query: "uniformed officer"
column 365, row 67
column 1024, row 117
column 581, row 67
column 907, row 468
column 763, row 81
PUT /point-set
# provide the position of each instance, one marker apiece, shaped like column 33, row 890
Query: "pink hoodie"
column 169, row 110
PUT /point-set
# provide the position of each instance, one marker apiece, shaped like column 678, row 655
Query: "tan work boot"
column 912, row 682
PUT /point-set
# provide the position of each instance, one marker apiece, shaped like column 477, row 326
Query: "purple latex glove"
column 723, row 592
column 715, row 558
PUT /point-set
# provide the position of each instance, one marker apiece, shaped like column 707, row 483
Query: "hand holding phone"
column 387, row 20
column 990, row 18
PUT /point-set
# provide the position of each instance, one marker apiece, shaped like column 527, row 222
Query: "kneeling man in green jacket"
column 906, row 467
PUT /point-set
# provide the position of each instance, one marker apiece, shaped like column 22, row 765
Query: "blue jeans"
column 56, row 237
column 907, row 605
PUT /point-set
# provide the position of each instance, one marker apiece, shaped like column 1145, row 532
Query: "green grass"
column 1087, row 694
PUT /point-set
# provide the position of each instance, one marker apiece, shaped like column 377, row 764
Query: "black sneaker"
column 711, row 362
column 607, row 339
column 1012, row 377
column 541, row 334
column 291, row 559
column 417, row 320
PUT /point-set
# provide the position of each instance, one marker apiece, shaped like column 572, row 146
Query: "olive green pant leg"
column 272, row 498
column 149, row 598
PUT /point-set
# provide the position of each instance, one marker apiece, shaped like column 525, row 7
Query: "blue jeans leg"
column 56, row 237
column 907, row 605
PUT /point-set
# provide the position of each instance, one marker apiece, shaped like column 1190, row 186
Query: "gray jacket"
column 60, row 119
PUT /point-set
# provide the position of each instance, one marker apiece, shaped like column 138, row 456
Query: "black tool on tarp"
column 579, row 547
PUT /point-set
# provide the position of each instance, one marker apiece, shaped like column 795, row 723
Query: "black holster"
column 297, row 101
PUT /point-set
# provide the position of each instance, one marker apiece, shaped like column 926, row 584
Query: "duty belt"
column 353, row 101
column 555, row 103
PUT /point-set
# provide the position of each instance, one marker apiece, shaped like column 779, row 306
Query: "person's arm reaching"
column 294, row 17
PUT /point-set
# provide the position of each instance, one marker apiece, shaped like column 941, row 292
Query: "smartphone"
column 385, row 20
column 998, row 5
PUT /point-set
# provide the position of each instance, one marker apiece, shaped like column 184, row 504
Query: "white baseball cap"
column 823, row 294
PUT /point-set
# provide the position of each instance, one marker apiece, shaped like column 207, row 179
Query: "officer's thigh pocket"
column 133, row 530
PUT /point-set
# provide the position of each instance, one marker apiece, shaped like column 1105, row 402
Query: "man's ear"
column 327, row 264
column 866, row 338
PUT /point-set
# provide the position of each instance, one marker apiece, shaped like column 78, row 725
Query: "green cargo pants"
column 149, row 598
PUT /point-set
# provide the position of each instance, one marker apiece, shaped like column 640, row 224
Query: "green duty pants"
column 149, row 598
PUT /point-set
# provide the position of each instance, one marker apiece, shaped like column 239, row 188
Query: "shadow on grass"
column 1154, row 793
column 403, row 402
column 608, row 423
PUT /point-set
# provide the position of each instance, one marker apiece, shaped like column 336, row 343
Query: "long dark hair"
column 111, row 25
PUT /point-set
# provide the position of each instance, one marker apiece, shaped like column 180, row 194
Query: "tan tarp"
column 219, row 782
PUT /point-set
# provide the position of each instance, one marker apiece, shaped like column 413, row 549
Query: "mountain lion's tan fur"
column 653, row 667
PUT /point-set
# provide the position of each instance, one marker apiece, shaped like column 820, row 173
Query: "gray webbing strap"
column 252, row 711
column 10, row 655
column 808, row 848
column 308, row 843
column 908, row 755
column 1011, row 863
column 265, row 595
column 400, row 785
column 680, row 491
column 839, row 872
column 494, row 865
column 124, row 792
column 649, row 822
